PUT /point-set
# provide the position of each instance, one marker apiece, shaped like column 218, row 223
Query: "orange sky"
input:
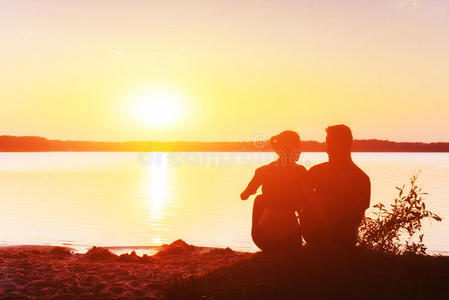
column 78, row 69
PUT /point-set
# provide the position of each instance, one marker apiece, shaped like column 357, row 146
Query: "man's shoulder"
column 318, row 171
column 319, row 167
column 362, row 175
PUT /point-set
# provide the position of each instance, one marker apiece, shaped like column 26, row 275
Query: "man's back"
column 342, row 193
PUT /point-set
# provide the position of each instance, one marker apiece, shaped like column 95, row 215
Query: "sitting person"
column 275, row 223
column 339, row 193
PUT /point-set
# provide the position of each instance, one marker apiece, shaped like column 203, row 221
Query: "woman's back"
column 275, row 224
column 281, row 185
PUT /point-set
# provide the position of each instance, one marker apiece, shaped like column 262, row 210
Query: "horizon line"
column 200, row 141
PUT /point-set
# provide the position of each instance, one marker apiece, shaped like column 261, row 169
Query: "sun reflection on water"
column 157, row 195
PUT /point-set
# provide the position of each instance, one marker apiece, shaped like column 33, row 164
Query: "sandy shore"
column 44, row 272
column 182, row 271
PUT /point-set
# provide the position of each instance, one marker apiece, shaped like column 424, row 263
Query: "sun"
column 158, row 107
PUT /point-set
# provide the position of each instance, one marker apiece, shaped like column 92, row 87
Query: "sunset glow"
column 158, row 108
column 243, row 68
column 224, row 149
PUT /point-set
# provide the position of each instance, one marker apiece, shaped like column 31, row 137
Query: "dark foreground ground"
column 181, row 271
column 307, row 275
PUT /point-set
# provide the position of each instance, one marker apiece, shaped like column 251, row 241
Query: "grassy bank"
column 308, row 275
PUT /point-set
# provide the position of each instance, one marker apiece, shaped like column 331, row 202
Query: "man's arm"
column 363, row 201
column 366, row 197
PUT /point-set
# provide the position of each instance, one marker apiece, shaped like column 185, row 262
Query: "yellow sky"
column 75, row 70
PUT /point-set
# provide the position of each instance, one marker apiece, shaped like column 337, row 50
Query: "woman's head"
column 287, row 144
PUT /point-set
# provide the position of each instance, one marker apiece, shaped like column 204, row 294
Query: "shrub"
column 394, row 229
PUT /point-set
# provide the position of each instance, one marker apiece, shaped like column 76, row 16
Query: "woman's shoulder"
column 301, row 172
column 265, row 168
column 275, row 167
column 297, row 171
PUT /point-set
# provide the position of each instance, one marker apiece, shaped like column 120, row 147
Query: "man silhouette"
column 339, row 194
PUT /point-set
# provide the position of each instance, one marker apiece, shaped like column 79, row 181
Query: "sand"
column 182, row 271
column 43, row 272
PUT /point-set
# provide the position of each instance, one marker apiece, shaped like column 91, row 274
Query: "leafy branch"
column 394, row 229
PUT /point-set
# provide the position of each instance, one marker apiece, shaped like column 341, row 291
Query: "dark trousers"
column 266, row 243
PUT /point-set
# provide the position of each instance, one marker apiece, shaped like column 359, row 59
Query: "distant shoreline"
column 40, row 144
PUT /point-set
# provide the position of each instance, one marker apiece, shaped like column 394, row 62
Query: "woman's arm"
column 252, row 187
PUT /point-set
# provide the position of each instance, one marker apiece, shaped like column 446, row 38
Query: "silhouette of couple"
column 322, row 206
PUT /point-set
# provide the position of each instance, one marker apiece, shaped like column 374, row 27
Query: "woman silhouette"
column 275, row 222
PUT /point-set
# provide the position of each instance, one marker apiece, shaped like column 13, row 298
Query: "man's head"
column 338, row 141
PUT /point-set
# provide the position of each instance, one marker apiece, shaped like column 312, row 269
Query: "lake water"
column 138, row 199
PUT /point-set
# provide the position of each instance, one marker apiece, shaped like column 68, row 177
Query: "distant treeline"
column 40, row 144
